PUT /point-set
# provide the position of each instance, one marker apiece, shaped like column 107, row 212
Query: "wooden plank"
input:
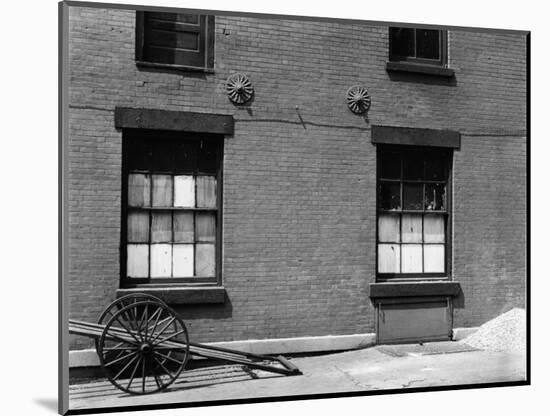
column 140, row 118
column 434, row 258
column 415, row 136
column 407, row 289
column 183, row 260
column 205, row 224
column 137, row 264
column 139, row 188
column 161, row 227
column 161, row 260
column 388, row 228
column 410, row 322
column 183, row 227
column 205, row 260
column 411, row 228
column 184, row 191
column 138, row 227
column 206, row 192
column 162, row 191
column 389, row 258
column 411, row 258
column 434, row 229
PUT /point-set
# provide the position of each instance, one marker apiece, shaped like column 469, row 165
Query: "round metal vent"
column 358, row 99
column 239, row 88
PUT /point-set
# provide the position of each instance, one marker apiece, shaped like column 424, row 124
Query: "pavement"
column 375, row 368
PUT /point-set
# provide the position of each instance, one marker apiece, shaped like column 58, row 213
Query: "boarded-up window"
column 180, row 39
column 171, row 206
column 412, row 212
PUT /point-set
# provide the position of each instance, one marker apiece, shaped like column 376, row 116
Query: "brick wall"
column 299, row 173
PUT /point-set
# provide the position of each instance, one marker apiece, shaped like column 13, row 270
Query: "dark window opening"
column 171, row 212
column 413, row 212
column 175, row 39
column 424, row 46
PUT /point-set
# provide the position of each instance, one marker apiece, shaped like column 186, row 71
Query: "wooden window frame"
column 404, row 151
column 140, row 50
column 132, row 282
column 441, row 62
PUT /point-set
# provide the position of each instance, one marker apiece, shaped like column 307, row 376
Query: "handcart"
column 143, row 346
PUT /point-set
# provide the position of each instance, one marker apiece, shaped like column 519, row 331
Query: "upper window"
column 175, row 39
column 423, row 46
column 171, row 207
column 413, row 212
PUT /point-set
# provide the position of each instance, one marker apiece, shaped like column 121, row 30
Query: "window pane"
column 402, row 41
column 162, row 190
column 413, row 167
column 139, row 154
column 411, row 228
column 138, row 227
column 434, row 229
column 206, row 192
column 137, row 264
column 205, row 260
column 435, row 196
column 183, row 227
column 186, row 156
column 427, row 43
column 434, row 258
column 183, row 260
column 208, row 156
column 391, row 166
column 161, row 260
column 161, row 227
column 184, row 191
column 436, row 169
column 388, row 258
column 388, row 228
column 390, row 195
column 411, row 258
column 412, row 196
column 139, row 188
column 206, row 227
column 163, row 156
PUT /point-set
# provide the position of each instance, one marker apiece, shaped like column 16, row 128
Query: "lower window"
column 171, row 207
column 413, row 212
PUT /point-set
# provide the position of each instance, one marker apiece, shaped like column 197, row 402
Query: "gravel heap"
column 504, row 333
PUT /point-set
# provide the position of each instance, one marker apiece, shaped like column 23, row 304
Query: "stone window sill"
column 146, row 64
column 180, row 295
column 420, row 69
column 404, row 289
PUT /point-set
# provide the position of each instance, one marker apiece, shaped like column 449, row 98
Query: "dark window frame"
column 441, row 62
column 408, row 151
column 130, row 134
column 140, row 48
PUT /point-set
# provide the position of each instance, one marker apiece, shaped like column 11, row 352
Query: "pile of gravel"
column 507, row 332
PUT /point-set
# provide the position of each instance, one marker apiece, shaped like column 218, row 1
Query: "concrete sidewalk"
column 361, row 370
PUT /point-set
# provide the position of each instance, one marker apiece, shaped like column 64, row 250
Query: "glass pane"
column 435, row 196
column 412, row 196
column 162, row 190
column 427, row 43
column 163, row 156
column 388, row 228
column 206, row 192
column 183, row 260
column 139, row 154
column 436, row 169
column 137, row 264
column 411, row 228
column 161, row 227
column 434, row 258
column 139, row 188
column 402, row 41
column 205, row 260
column 161, row 260
column 206, row 227
column 413, row 167
column 388, row 258
column 184, row 191
column 434, row 229
column 390, row 197
column 138, row 227
column 186, row 156
column 183, row 227
column 208, row 156
column 411, row 258
column 391, row 166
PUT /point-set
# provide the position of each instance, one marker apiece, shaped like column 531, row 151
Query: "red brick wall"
column 299, row 173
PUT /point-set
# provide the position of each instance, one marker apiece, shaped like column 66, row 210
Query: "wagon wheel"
column 120, row 303
column 144, row 347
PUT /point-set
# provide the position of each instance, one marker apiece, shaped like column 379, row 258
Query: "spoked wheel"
column 144, row 347
column 120, row 303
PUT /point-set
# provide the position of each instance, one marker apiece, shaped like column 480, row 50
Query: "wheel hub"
column 146, row 348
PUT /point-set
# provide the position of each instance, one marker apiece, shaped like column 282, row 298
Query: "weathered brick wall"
column 299, row 173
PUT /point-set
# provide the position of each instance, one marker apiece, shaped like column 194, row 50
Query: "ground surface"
column 378, row 368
